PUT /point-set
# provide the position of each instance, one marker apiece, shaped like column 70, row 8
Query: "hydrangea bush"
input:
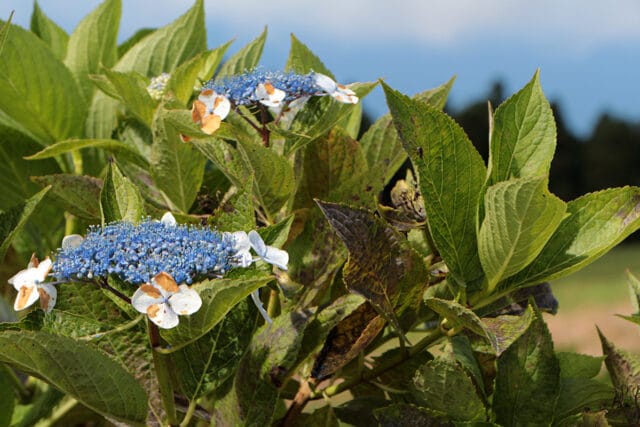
column 211, row 242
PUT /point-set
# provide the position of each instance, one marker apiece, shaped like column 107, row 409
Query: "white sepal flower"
column 339, row 92
column 30, row 285
column 242, row 247
column 209, row 110
column 72, row 241
column 168, row 219
column 268, row 254
column 163, row 300
column 269, row 95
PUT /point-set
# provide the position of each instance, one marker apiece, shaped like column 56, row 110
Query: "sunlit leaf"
column 92, row 45
column 49, row 32
column 451, row 175
column 520, row 217
column 84, row 373
column 119, row 199
column 246, row 59
column 523, row 137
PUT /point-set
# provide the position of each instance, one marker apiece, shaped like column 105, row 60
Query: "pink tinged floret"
column 269, row 95
column 339, row 92
column 163, row 300
column 209, row 110
column 30, row 285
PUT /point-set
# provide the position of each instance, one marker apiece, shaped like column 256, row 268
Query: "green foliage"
column 417, row 295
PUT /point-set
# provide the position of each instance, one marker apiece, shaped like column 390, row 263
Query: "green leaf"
column 225, row 157
column 520, row 217
column 443, row 386
column 523, row 137
column 37, row 92
column 191, row 73
column 507, row 328
column 335, row 170
column 84, row 373
column 302, row 60
column 463, row 354
column 133, row 40
column 93, row 44
column 451, row 175
column 218, row 297
column 54, row 36
column 245, row 59
column 381, row 266
column 78, row 195
column 406, row 415
column 205, row 364
column 623, row 367
column 14, row 219
column 576, row 394
column 382, row 146
column 177, row 168
column 132, row 91
column 277, row 234
column 634, row 291
column 237, row 212
column 322, row 417
column 7, row 403
column 527, row 379
column 16, row 171
column 575, row 365
column 273, row 175
column 596, row 223
column 262, row 371
column 112, row 145
column 320, row 115
column 161, row 51
column 119, row 198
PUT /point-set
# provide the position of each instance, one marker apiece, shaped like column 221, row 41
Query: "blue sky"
column 588, row 51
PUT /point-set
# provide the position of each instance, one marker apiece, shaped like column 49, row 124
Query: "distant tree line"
column 608, row 157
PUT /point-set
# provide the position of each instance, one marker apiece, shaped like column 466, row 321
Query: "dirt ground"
column 576, row 330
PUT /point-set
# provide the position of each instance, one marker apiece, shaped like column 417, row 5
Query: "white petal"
column 255, row 296
column 186, row 301
column 269, row 95
column 43, row 269
column 221, row 107
column 27, row 295
column 257, row 243
column 162, row 315
column 244, row 259
column 48, row 296
column 165, row 283
column 168, row 220
column 241, row 241
column 145, row 296
column 344, row 98
column 27, row 277
column 72, row 241
column 325, row 83
column 277, row 257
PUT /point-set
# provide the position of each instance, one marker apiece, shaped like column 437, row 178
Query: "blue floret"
column 240, row 89
column 136, row 253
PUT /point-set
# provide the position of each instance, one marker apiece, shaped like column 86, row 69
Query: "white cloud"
column 581, row 24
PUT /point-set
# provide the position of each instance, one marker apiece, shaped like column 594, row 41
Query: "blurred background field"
column 593, row 296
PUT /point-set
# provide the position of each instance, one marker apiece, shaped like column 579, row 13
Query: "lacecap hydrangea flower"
column 136, row 253
column 272, row 89
column 162, row 257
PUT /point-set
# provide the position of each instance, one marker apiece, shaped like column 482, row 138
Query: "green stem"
column 273, row 305
column 430, row 243
column 162, row 365
column 380, row 369
column 189, row 414
column 76, row 156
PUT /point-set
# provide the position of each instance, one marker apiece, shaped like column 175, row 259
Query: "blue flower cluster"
column 240, row 89
column 136, row 253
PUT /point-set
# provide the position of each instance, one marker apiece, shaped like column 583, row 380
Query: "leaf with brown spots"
column 347, row 339
column 381, row 266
